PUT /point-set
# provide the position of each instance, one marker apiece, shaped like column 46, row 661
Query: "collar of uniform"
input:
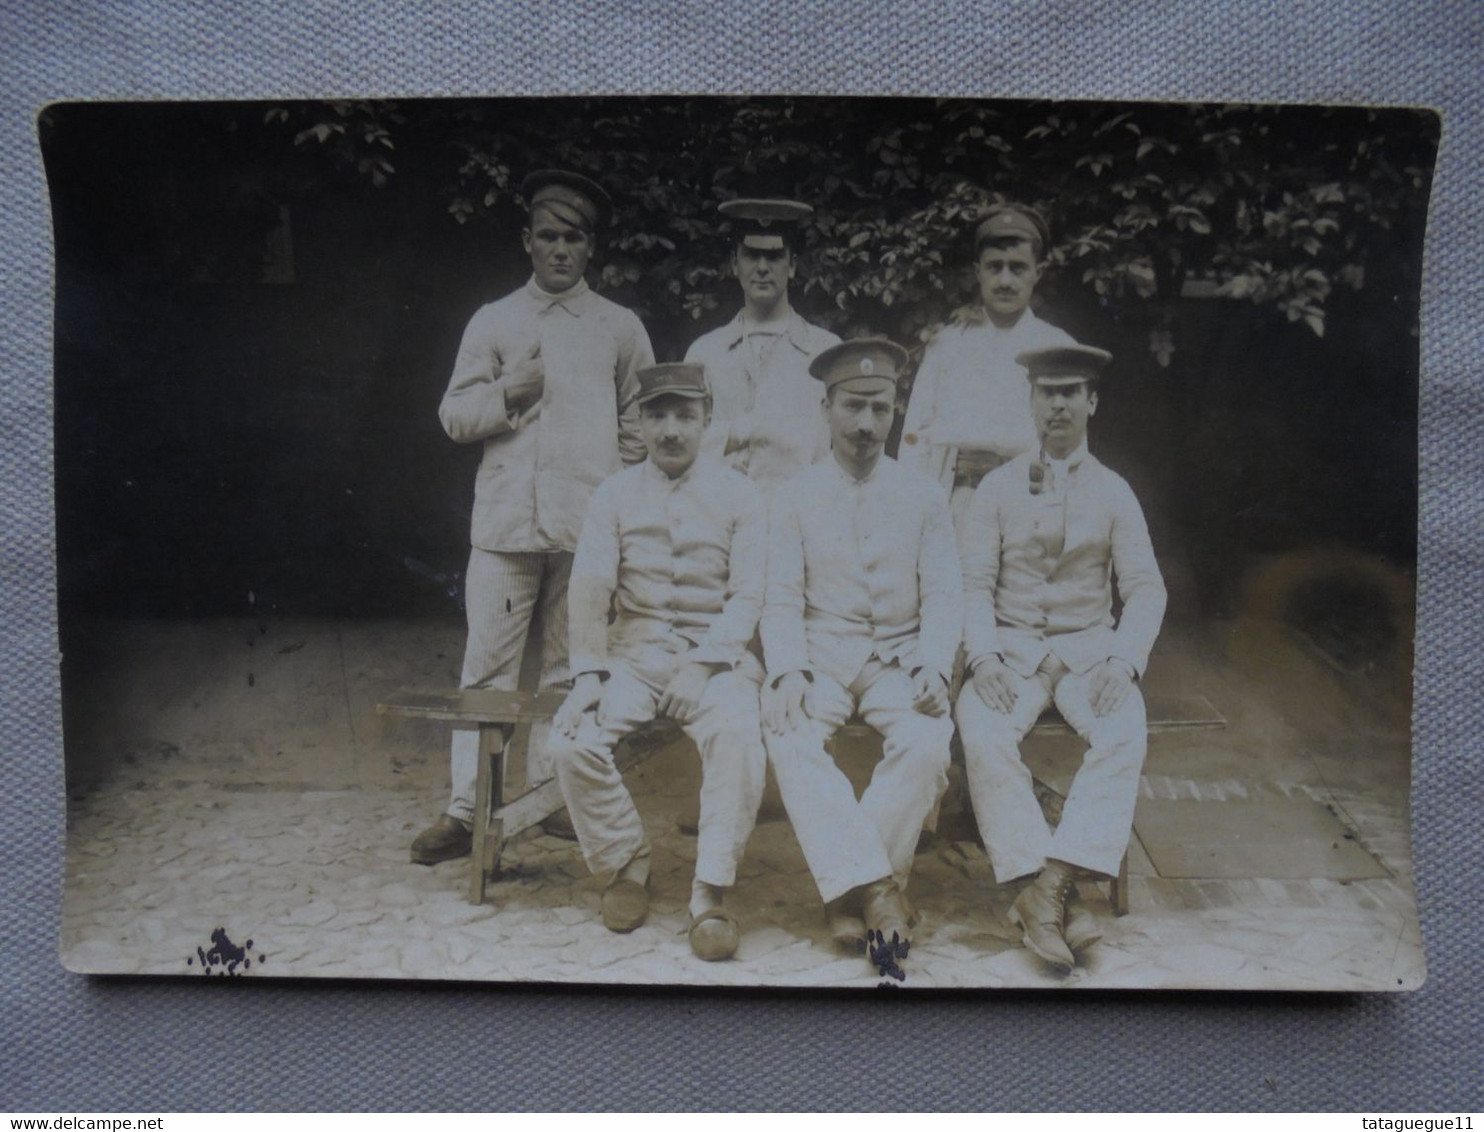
column 1073, row 461
column 795, row 329
column 974, row 314
column 569, row 300
column 658, row 477
column 849, row 480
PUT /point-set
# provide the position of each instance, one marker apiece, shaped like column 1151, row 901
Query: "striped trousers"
column 503, row 592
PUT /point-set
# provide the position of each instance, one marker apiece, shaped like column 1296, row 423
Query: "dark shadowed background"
column 258, row 307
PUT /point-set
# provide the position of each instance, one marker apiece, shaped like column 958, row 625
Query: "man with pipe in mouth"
column 1046, row 538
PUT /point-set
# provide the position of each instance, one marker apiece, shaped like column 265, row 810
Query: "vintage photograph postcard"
column 807, row 542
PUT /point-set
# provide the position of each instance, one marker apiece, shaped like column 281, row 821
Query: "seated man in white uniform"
column 862, row 614
column 665, row 594
column 1045, row 537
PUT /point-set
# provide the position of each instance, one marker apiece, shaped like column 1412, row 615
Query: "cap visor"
column 865, row 384
column 688, row 394
column 565, row 213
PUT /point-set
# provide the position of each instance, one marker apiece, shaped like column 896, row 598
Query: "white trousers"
column 728, row 734
column 502, row 593
column 1099, row 811
column 846, row 842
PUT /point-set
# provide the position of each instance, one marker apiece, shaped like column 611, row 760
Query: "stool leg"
column 489, row 791
column 1118, row 888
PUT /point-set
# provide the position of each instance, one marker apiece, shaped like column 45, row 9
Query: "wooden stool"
column 496, row 715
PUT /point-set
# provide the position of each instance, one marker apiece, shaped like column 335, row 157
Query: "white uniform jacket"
column 540, row 467
column 766, row 424
column 1039, row 570
column 858, row 569
column 668, row 561
column 970, row 392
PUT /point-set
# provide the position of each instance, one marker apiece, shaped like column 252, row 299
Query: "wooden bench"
column 496, row 715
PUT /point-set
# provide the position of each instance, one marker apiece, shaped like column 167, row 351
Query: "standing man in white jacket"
column 766, row 421
column 967, row 414
column 545, row 380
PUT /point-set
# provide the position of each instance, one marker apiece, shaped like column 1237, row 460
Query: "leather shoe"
column 1038, row 912
column 625, row 905
column 444, row 840
column 1082, row 927
column 714, row 934
column 886, row 911
column 559, row 825
column 847, row 929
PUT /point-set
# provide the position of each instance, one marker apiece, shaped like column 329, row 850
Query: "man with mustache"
column 766, row 420
column 862, row 615
column 664, row 598
column 1044, row 538
column 967, row 414
column 545, row 380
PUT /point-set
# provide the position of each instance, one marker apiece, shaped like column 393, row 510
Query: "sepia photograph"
column 753, row 541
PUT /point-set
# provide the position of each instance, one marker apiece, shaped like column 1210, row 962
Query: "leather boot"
column 886, row 911
column 1082, row 927
column 847, row 929
column 445, row 840
column 559, row 825
column 1039, row 912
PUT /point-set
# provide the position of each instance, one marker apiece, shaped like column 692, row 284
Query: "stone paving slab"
column 1271, row 837
column 280, row 809
column 321, row 884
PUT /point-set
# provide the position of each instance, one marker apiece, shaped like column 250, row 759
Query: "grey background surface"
column 71, row 1044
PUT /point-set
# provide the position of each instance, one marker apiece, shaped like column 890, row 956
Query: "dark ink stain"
column 224, row 957
column 507, row 605
column 885, row 955
column 295, row 647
